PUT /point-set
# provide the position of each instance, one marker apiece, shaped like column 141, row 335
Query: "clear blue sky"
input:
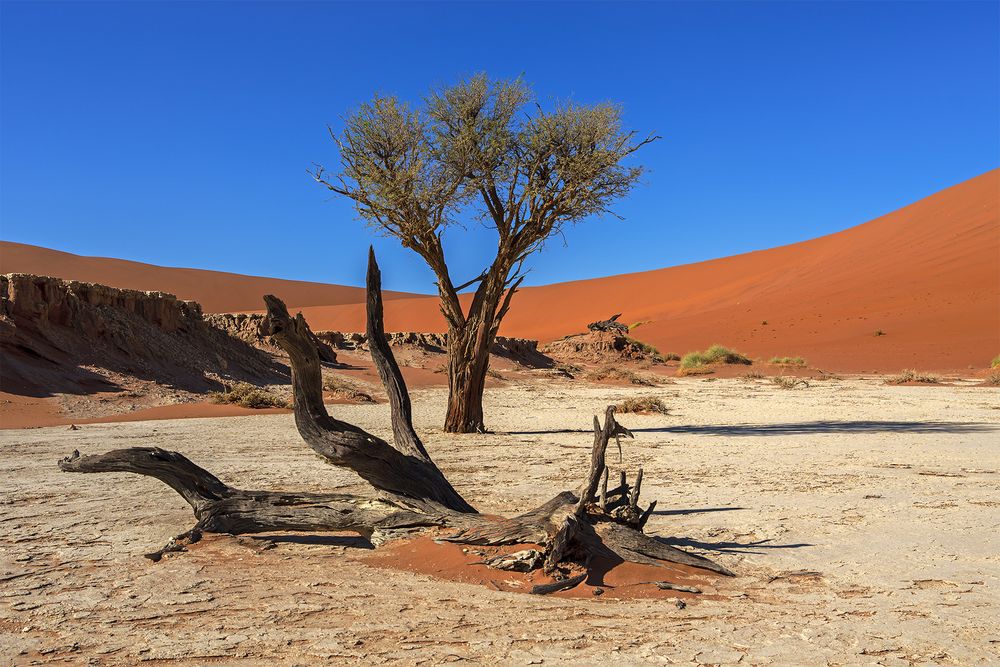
column 180, row 133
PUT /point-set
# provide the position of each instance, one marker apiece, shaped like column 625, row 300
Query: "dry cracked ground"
column 862, row 520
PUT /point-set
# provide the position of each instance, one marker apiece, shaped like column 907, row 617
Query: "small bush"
column 717, row 354
column 248, row 396
column 646, row 348
column 992, row 380
column 995, row 362
column 344, row 389
column 788, row 382
column 787, row 361
column 913, row 376
column 879, row 332
column 621, row 374
column 642, row 404
column 569, row 370
column 753, row 375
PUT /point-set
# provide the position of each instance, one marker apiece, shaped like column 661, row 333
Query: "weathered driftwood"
column 571, row 528
column 610, row 324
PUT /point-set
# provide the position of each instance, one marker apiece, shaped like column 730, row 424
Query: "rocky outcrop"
column 601, row 347
column 246, row 327
column 73, row 337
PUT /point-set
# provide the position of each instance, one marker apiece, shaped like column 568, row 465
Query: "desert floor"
column 863, row 521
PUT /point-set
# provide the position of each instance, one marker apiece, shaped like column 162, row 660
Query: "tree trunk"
column 468, row 361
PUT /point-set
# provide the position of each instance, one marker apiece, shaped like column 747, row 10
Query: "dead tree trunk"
column 414, row 493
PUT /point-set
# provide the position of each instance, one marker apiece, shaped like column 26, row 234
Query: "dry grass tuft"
column 248, row 396
column 787, row 361
column 992, row 380
column 752, row 375
column 789, row 382
column 995, row 362
column 910, row 375
column 616, row 373
column 879, row 332
column 346, row 389
column 643, row 405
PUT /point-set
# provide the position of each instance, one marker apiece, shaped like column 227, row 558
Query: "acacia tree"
column 480, row 149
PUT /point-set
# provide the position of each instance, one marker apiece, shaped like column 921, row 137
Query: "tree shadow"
column 701, row 510
column 801, row 428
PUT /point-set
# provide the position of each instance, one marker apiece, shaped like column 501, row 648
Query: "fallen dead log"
column 571, row 529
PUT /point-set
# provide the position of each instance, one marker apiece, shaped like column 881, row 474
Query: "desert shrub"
column 671, row 356
column 879, row 332
column 646, row 348
column 345, row 389
column 752, row 375
column 787, row 361
column 717, row 354
column 913, row 376
column 494, row 374
column 647, row 404
column 992, row 380
column 783, row 382
column 621, row 374
column 569, row 370
column 995, row 362
column 248, row 396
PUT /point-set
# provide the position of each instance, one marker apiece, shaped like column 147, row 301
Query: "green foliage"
column 249, row 396
column 995, row 362
column 717, row 354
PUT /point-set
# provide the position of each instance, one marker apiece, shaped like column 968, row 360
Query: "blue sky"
column 180, row 134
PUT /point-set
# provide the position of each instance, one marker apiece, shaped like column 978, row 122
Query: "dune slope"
column 216, row 291
column 927, row 275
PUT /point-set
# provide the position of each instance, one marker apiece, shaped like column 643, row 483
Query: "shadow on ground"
column 803, row 428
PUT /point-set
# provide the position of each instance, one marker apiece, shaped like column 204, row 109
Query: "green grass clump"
column 717, row 354
column 248, row 396
column 913, row 376
column 642, row 404
column 995, row 362
column 787, row 361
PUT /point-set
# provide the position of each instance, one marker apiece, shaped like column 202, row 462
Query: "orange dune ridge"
column 927, row 276
column 216, row 291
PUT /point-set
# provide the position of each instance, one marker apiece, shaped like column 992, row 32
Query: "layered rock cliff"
column 75, row 337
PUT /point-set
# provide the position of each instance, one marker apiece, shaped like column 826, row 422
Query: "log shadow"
column 349, row 541
column 727, row 547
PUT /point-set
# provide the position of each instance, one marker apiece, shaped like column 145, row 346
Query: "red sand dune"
column 217, row 292
column 928, row 275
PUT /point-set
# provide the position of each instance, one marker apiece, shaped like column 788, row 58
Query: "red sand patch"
column 29, row 412
column 460, row 562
